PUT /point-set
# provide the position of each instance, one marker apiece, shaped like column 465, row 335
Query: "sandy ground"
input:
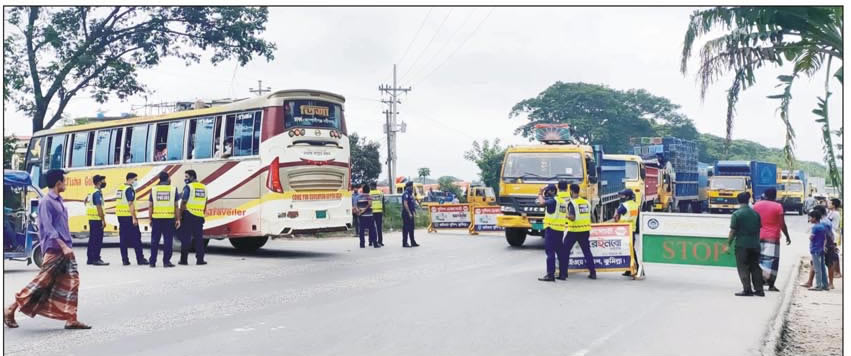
column 814, row 323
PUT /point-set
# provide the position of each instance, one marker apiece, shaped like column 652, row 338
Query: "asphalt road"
column 454, row 295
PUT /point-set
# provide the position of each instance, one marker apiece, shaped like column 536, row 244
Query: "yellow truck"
column 418, row 191
column 527, row 169
column 481, row 195
column 790, row 190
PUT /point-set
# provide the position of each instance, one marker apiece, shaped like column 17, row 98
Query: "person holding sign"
column 628, row 213
column 554, row 222
column 579, row 228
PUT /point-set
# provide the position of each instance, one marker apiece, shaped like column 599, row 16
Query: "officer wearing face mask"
column 94, row 211
column 128, row 225
column 190, row 219
column 555, row 220
column 628, row 212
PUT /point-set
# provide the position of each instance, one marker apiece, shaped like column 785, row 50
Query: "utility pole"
column 260, row 90
column 391, row 127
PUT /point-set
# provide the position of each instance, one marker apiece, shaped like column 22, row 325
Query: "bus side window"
column 55, row 157
column 102, row 147
column 136, row 144
column 34, row 160
column 168, row 142
column 201, row 138
column 115, row 143
column 81, row 149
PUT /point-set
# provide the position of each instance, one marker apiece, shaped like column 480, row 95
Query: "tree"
column 423, row 173
column 754, row 37
column 447, row 184
column 9, row 143
column 365, row 163
column 488, row 157
column 59, row 52
column 601, row 115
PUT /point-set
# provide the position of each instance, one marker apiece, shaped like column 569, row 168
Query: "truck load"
column 790, row 189
column 643, row 180
column 676, row 160
column 730, row 178
column 529, row 168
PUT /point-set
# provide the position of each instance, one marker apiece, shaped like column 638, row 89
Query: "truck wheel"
column 248, row 244
column 515, row 237
column 801, row 211
column 37, row 256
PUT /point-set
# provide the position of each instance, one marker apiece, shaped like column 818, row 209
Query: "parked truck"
column 526, row 169
column 676, row 161
column 790, row 190
column 730, row 178
column 643, row 180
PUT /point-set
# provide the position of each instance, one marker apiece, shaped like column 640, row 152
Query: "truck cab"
column 790, row 190
column 729, row 178
column 481, row 195
column 418, row 191
column 636, row 177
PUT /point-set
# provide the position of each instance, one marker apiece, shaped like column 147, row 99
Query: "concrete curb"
column 775, row 327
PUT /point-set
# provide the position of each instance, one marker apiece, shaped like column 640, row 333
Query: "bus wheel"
column 515, row 237
column 37, row 256
column 249, row 244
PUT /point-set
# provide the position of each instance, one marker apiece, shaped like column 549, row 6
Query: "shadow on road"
column 230, row 251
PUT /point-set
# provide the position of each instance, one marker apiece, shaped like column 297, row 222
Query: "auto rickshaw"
column 20, row 235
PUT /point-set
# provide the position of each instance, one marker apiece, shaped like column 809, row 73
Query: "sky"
column 468, row 66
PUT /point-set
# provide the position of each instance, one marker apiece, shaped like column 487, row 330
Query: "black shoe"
column 99, row 263
column 547, row 278
column 406, row 245
column 142, row 262
column 126, row 263
column 153, row 265
column 562, row 277
column 376, row 246
column 370, row 243
column 592, row 276
column 183, row 263
column 759, row 294
column 361, row 246
column 201, row 263
column 627, row 274
column 168, row 265
column 415, row 245
column 744, row 294
column 773, row 289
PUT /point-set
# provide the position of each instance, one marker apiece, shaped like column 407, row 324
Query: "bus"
column 273, row 164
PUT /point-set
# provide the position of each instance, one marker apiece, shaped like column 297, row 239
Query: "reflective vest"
column 91, row 208
column 122, row 206
column 582, row 222
column 197, row 199
column 377, row 204
column 557, row 220
column 163, row 197
column 631, row 213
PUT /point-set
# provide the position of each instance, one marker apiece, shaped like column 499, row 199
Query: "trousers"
column 129, row 236
column 162, row 228
column 191, row 232
column 407, row 229
column 95, row 241
column 379, row 225
column 366, row 223
column 583, row 239
column 747, row 264
column 554, row 247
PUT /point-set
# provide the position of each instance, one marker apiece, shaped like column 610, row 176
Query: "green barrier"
column 686, row 239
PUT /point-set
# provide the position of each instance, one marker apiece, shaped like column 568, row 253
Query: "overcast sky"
column 469, row 66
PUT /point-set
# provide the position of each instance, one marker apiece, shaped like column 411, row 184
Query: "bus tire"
column 248, row 244
column 37, row 256
column 515, row 237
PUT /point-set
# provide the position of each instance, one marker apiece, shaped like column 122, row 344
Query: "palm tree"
column 423, row 173
column 808, row 37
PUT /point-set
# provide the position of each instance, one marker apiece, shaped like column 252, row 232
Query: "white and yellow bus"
column 273, row 164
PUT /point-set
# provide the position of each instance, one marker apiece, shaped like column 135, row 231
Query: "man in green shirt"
column 744, row 230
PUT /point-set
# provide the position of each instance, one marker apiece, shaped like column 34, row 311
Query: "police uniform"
column 408, row 220
column 579, row 230
column 163, row 198
column 378, row 214
column 366, row 220
column 628, row 212
column 555, row 218
column 128, row 234
column 192, row 221
column 355, row 217
column 96, row 225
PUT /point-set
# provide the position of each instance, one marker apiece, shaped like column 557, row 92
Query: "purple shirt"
column 52, row 223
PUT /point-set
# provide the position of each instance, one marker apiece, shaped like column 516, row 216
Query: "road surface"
column 456, row 294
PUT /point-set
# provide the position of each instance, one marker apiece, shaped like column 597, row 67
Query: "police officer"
column 377, row 212
column 365, row 214
column 94, row 210
column 163, row 201
column 628, row 213
column 190, row 222
column 579, row 228
column 128, row 225
column 409, row 207
column 355, row 216
column 554, row 222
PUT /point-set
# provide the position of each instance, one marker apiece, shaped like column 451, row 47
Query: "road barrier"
column 472, row 217
column 611, row 246
column 685, row 239
column 484, row 219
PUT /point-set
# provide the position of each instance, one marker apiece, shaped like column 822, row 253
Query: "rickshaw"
column 20, row 236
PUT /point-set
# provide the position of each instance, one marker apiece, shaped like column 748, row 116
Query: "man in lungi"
column 53, row 292
column 771, row 215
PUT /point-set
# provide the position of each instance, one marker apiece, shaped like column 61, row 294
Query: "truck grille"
column 311, row 180
column 725, row 200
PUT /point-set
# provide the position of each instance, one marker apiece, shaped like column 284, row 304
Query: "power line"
column 440, row 27
column 452, row 37
column 416, row 35
column 457, row 48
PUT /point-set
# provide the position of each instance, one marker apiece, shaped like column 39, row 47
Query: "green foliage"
column 711, row 149
column 8, row 151
column 52, row 54
column 423, row 173
column 365, row 163
column 488, row 157
column 393, row 217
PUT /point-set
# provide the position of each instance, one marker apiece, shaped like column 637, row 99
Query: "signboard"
column 484, row 218
column 686, row 239
column 449, row 216
column 611, row 246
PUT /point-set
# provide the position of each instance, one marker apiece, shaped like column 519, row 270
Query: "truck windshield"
column 631, row 171
column 543, row 165
column 728, row 183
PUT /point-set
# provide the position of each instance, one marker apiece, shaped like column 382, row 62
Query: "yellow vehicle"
column 790, row 190
column 418, row 191
column 636, row 174
column 527, row 169
column 481, row 195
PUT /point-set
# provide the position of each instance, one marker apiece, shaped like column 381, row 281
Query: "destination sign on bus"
column 312, row 114
column 313, row 110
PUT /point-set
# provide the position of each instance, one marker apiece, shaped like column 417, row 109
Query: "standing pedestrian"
column 555, row 219
column 818, row 237
column 744, row 230
column 579, row 229
column 163, row 199
column 628, row 213
column 409, row 208
column 128, row 225
column 366, row 221
column 355, row 217
column 828, row 237
column 377, row 212
column 97, row 221
column 809, row 203
column 835, row 217
column 190, row 221
column 54, row 291
column 772, row 222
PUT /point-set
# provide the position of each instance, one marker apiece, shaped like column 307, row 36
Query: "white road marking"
column 615, row 330
column 243, row 329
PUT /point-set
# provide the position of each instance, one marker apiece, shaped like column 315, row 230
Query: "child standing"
column 817, row 244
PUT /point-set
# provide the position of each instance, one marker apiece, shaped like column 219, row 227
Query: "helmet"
column 627, row 193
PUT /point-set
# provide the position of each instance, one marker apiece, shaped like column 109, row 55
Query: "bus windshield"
column 543, row 165
column 727, row 183
column 313, row 114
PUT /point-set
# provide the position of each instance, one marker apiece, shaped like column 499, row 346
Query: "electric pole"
column 260, row 90
column 391, row 127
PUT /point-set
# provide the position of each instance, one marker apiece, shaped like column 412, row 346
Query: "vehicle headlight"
column 508, row 209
